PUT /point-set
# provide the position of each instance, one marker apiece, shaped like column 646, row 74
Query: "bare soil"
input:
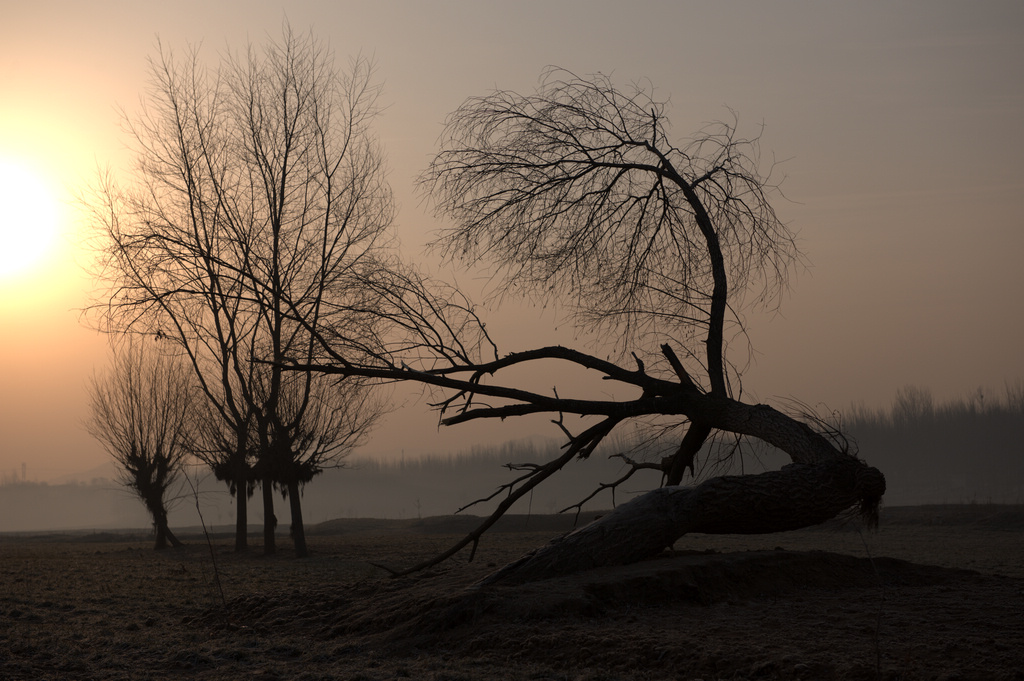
column 936, row 593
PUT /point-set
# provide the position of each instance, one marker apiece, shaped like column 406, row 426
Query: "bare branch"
column 576, row 192
column 581, row 446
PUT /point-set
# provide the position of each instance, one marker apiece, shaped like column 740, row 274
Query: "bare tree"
column 141, row 414
column 227, row 447
column 334, row 421
column 257, row 202
column 578, row 193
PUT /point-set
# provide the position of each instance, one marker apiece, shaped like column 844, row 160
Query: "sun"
column 29, row 220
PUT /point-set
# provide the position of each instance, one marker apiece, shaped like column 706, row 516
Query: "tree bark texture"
column 799, row 495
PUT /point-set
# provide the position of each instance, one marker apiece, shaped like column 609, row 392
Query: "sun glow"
column 29, row 220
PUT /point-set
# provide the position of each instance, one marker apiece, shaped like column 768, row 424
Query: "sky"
column 898, row 129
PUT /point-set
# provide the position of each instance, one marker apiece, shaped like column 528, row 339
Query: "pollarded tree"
column 257, row 200
column 323, row 424
column 578, row 193
column 141, row 413
column 225, row 443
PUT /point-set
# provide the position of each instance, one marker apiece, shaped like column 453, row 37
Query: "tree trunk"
column 821, row 483
column 171, row 538
column 242, row 510
column 797, row 496
column 161, row 537
column 153, row 498
column 688, row 449
column 297, row 529
column 269, row 519
column 163, row 531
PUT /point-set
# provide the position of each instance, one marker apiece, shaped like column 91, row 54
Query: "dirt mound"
column 695, row 579
column 756, row 614
column 427, row 606
column 707, row 578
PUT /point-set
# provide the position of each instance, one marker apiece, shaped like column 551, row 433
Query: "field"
column 937, row 593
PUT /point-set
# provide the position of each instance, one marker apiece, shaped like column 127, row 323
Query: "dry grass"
column 106, row 608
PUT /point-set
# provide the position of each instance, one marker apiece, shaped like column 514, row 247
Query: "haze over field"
column 899, row 132
column 963, row 452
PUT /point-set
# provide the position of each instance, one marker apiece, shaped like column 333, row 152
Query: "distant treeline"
column 518, row 451
column 27, row 506
column 13, row 479
column 967, row 450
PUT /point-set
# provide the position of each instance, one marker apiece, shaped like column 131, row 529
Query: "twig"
column 634, row 467
column 581, row 446
column 209, row 543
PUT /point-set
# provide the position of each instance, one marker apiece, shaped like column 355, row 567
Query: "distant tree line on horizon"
column 971, row 447
column 922, row 443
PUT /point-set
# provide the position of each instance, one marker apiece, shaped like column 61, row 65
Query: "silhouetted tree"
column 257, row 202
column 141, row 414
column 335, row 420
column 578, row 193
column 228, row 448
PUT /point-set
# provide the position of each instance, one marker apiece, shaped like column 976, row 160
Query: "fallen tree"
column 576, row 194
column 824, row 480
column 794, row 497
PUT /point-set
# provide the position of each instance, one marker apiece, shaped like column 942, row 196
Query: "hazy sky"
column 900, row 128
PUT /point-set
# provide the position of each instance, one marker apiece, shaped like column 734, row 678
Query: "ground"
column 937, row 593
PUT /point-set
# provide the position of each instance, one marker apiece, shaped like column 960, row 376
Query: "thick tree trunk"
column 163, row 531
column 161, row 537
column 297, row 528
column 821, row 483
column 799, row 495
column 269, row 519
column 171, row 538
column 153, row 498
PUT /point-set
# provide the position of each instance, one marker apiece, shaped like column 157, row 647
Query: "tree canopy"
column 578, row 192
